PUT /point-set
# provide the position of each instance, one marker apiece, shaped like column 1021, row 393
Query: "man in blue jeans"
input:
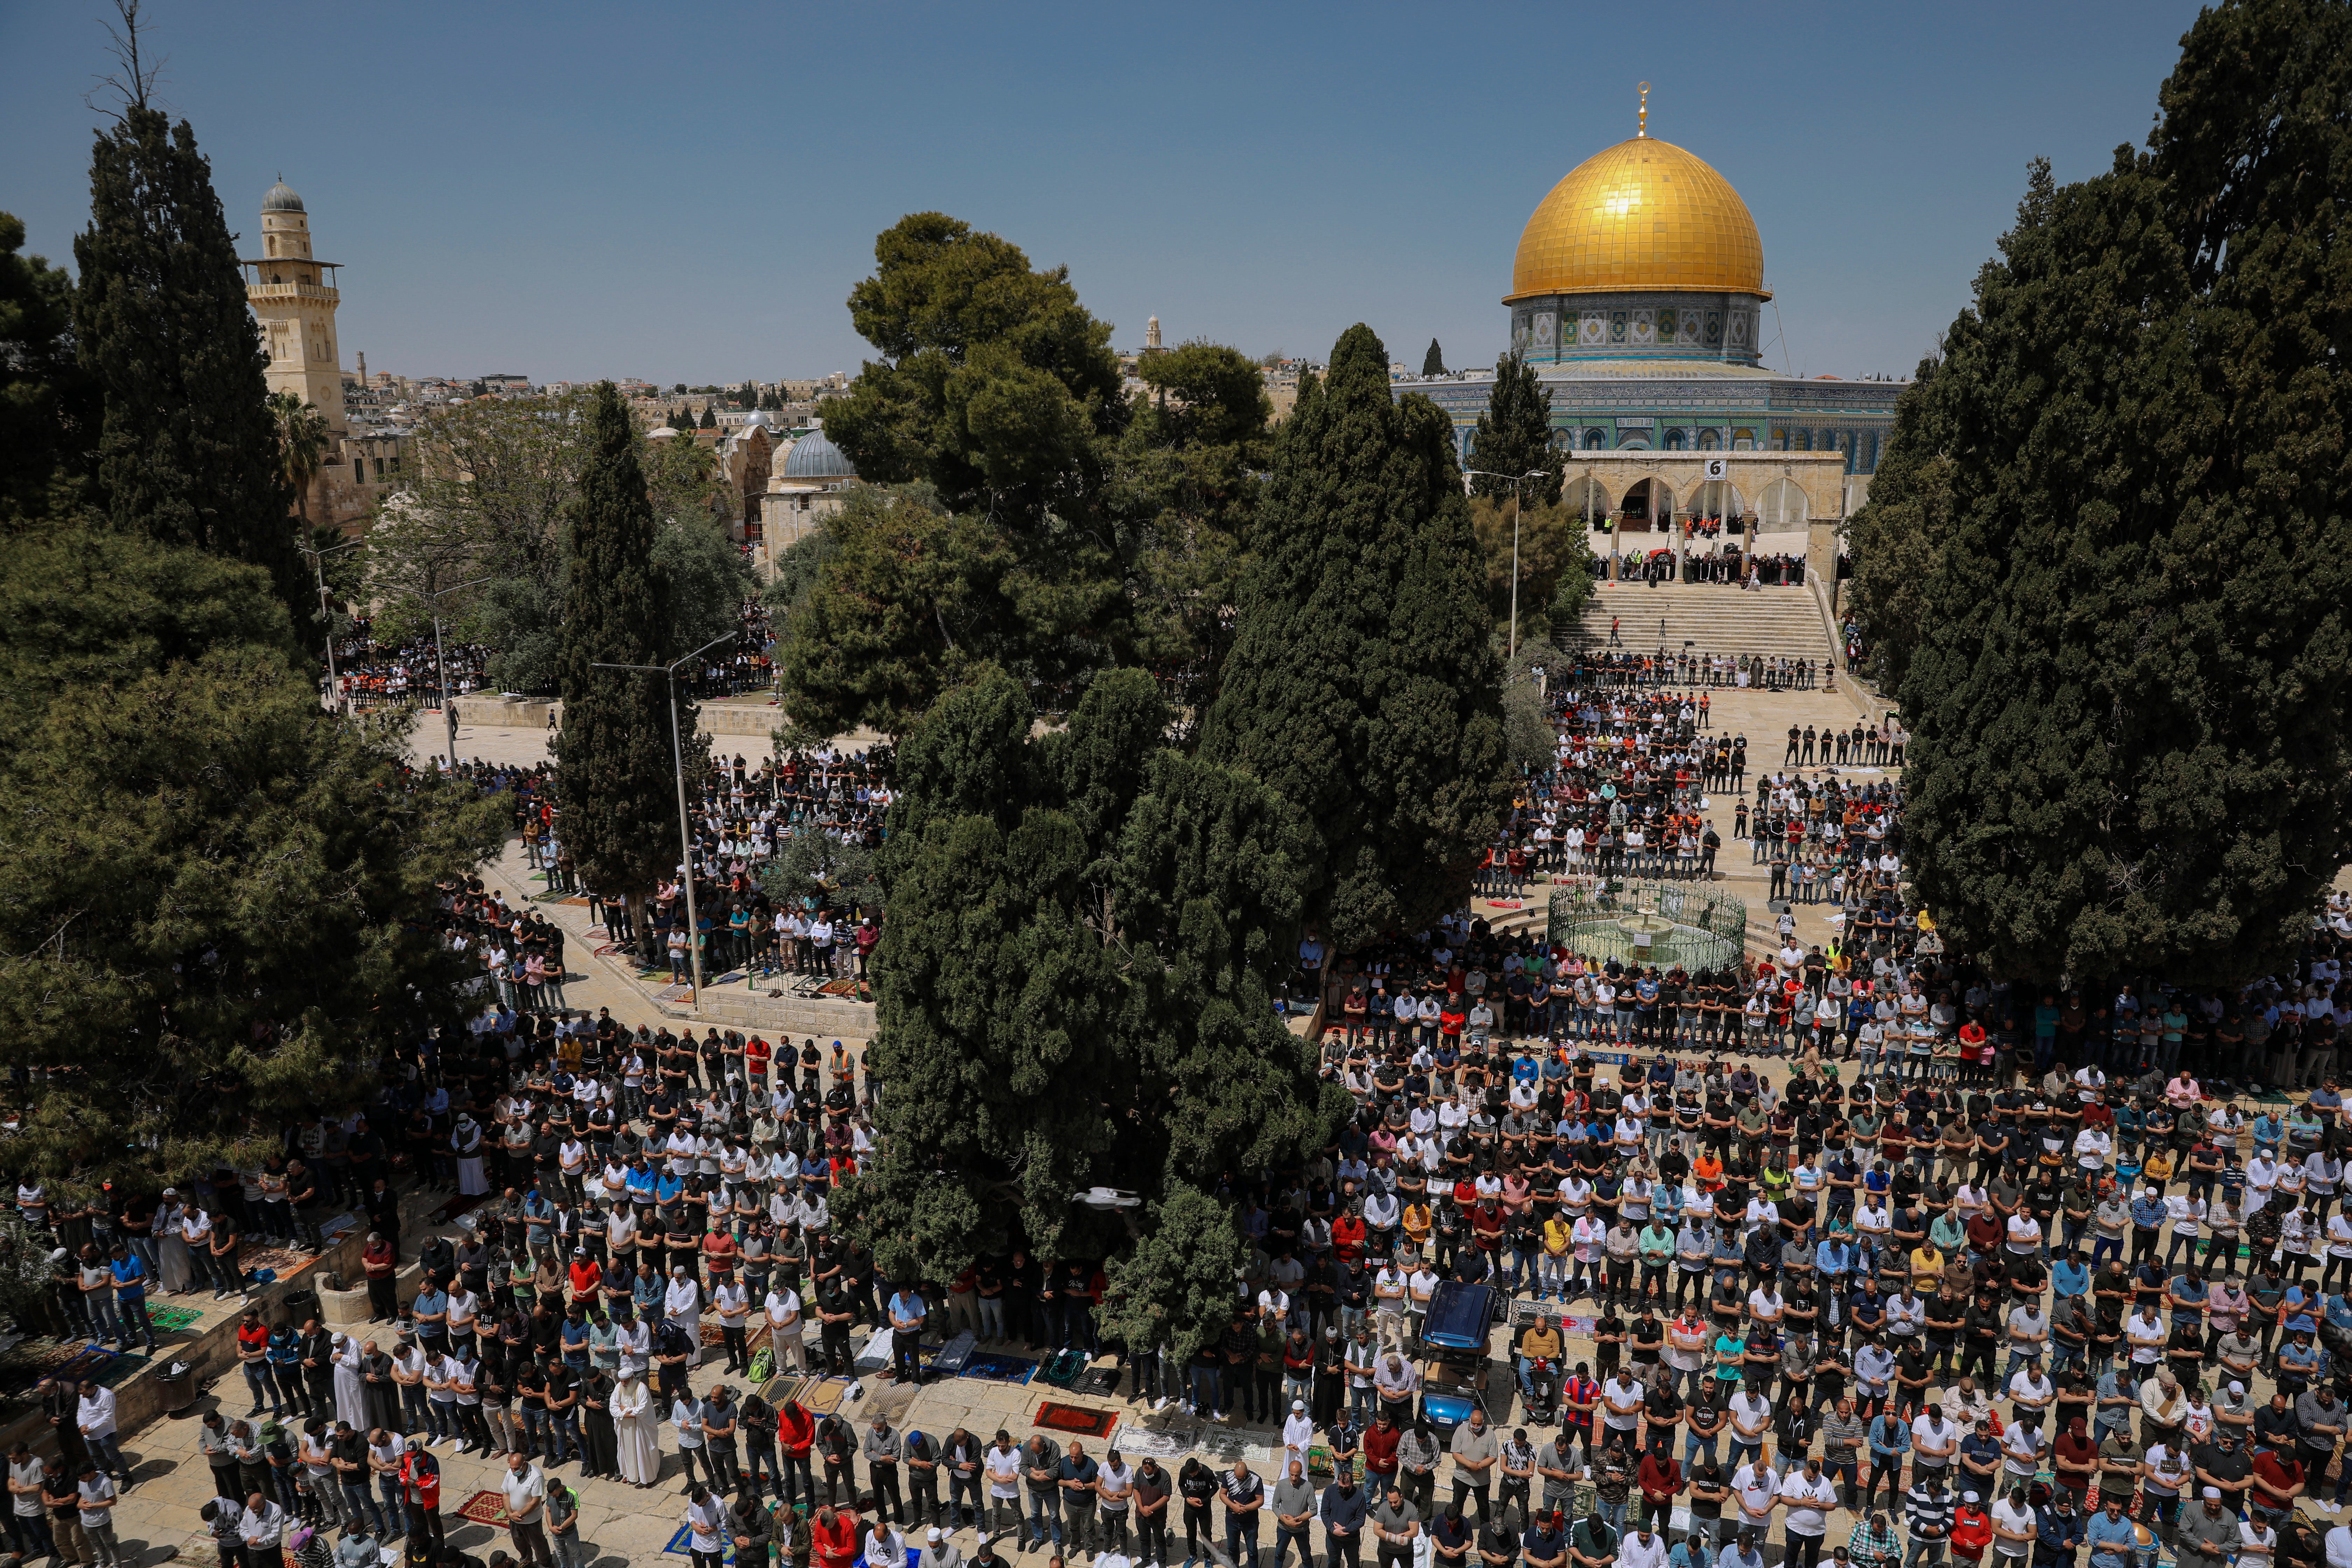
column 130, row 1279
column 1244, row 1496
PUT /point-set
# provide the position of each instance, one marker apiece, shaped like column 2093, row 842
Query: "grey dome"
column 813, row 457
column 281, row 199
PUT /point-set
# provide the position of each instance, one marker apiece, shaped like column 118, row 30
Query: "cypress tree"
column 710, row 421
column 1434, row 362
column 617, row 780
column 2130, row 689
column 1513, row 435
column 1362, row 686
column 187, row 450
column 1077, row 966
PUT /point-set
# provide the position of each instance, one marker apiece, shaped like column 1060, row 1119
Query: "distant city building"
column 294, row 298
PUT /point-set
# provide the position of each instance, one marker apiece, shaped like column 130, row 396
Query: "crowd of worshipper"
column 1831, row 839
column 407, row 673
column 1610, row 666
column 1623, row 797
column 1727, row 565
column 2017, row 1281
column 1805, row 1294
column 745, row 818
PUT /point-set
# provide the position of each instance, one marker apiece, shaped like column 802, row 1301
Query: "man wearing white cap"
column 1298, row 1433
column 939, row 1552
column 2207, row 1536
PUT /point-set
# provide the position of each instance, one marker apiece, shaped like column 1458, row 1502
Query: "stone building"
column 805, row 485
column 293, row 296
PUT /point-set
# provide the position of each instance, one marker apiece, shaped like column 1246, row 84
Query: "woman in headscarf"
column 636, row 1420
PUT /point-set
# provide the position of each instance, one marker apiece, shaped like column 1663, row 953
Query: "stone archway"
column 1587, row 498
column 1781, row 508
column 1648, row 505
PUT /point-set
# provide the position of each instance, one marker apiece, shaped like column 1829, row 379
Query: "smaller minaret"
column 1151, row 333
column 362, row 359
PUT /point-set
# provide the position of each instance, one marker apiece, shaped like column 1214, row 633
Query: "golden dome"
column 1642, row 215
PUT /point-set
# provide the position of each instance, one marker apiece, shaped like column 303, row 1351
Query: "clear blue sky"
column 688, row 192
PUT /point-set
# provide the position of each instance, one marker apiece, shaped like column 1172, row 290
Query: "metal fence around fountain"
column 1645, row 922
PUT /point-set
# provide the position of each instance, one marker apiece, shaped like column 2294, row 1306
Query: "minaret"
column 361, row 361
column 294, row 299
column 1151, row 334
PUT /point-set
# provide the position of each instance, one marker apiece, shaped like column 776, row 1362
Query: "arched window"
column 1638, row 442
column 1707, row 439
column 1594, row 440
column 1800, row 440
column 1674, row 439
column 1743, row 439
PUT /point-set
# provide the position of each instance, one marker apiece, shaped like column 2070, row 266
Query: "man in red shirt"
column 2278, row 1478
column 757, row 1053
column 834, row 1535
column 1348, row 1232
column 1381, row 1451
column 1661, row 1476
column 795, row 1435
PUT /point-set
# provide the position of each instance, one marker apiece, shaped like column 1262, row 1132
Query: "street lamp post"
column 685, row 834
column 441, row 660
column 1518, row 483
column 319, row 563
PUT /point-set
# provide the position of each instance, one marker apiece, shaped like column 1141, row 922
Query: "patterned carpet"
column 485, row 1507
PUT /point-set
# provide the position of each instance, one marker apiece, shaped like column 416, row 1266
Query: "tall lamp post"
column 327, row 614
column 678, row 759
column 441, row 659
column 1517, row 482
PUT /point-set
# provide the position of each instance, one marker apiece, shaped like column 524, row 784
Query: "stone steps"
column 1713, row 618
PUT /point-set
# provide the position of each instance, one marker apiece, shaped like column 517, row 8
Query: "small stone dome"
column 813, row 457
column 281, row 199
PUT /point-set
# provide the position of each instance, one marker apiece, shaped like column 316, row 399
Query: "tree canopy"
column 1514, row 438
column 1434, row 362
column 994, row 382
column 187, row 452
column 216, row 898
column 1060, row 529
column 49, row 418
column 2129, row 681
column 1361, row 685
column 1077, row 966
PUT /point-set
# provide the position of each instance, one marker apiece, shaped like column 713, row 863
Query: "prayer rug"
column 1075, row 1419
column 280, row 1262
column 485, row 1508
column 1002, row 1368
column 169, row 1320
column 1172, row 1443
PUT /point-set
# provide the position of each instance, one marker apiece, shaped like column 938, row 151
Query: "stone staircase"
column 1713, row 618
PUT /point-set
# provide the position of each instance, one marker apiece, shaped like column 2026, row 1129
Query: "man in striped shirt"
column 1927, row 1514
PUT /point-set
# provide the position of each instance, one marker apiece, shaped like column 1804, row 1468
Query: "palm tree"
column 301, row 444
